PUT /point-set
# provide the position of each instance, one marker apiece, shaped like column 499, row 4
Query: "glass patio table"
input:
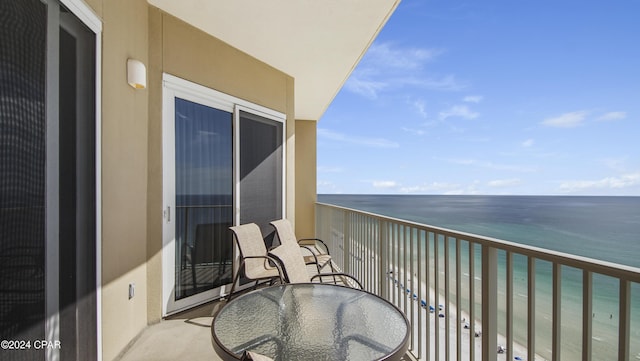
column 311, row 322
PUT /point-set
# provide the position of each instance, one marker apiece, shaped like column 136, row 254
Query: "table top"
column 311, row 322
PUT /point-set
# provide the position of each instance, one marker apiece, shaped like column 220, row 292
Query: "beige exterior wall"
column 124, row 175
column 132, row 147
column 306, row 188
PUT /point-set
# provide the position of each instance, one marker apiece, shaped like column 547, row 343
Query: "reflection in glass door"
column 204, row 201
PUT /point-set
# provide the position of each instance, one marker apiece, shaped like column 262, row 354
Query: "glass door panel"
column 261, row 172
column 203, row 198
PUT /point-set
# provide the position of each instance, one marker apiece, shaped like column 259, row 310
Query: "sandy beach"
column 519, row 351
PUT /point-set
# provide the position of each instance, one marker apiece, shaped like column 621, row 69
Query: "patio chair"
column 320, row 258
column 255, row 261
column 294, row 269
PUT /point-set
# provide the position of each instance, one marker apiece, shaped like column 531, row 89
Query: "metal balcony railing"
column 465, row 294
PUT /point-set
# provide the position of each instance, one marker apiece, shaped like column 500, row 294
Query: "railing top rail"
column 593, row 265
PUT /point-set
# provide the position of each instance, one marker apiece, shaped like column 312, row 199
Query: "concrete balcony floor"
column 185, row 336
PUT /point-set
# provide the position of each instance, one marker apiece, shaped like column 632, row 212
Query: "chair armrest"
column 320, row 275
column 268, row 261
column 316, row 241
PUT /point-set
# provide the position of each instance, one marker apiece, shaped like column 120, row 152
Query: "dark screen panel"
column 22, row 173
column 261, row 162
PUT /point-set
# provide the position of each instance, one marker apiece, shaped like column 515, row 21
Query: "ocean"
column 603, row 228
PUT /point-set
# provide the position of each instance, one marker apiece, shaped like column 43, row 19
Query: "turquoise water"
column 604, row 228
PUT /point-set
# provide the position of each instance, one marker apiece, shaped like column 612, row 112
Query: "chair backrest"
column 251, row 244
column 292, row 261
column 285, row 231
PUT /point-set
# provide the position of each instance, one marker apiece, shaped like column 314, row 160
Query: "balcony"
column 553, row 297
column 392, row 257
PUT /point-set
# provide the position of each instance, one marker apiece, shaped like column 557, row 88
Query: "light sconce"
column 136, row 74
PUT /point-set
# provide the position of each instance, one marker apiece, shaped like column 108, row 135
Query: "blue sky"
column 491, row 97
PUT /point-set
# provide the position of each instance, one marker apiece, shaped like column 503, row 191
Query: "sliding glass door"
column 223, row 165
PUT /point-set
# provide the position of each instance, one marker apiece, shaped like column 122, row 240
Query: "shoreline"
column 519, row 350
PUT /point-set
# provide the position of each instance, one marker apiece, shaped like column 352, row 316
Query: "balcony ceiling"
column 318, row 42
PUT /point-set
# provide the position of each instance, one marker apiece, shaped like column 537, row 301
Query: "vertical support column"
column 531, row 309
column 472, row 301
column 489, row 303
column 346, row 243
column 447, row 290
column 383, row 259
column 587, row 314
column 624, row 321
column 427, row 277
column 510, row 292
column 436, row 286
column 458, row 301
column 557, row 315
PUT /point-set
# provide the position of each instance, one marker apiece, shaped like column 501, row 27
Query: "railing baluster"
column 427, row 278
column 458, row 301
column 472, row 301
column 489, row 303
column 557, row 316
column 624, row 321
column 447, row 285
column 509, row 295
column 436, row 287
column 587, row 314
column 531, row 309
column 420, row 292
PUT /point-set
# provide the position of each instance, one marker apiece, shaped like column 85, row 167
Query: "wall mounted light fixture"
column 136, row 74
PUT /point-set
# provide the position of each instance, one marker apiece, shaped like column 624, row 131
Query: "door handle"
column 167, row 214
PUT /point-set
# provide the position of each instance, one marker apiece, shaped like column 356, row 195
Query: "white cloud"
column 419, row 106
column 441, row 188
column 386, row 66
column 473, row 99
column 385, row 184
column 414, row 131
column 325, row 169
column 491, row 165
column 613, row 116
column 567, row 120
column 617, row 164
column 365, row 87
column 500, row 183
column 458, row 111
column 386, row 55
column 363, row 141
column 528, row 143
column 608, row 183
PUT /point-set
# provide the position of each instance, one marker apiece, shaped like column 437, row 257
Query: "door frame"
column 52, row 321
column 177, row 87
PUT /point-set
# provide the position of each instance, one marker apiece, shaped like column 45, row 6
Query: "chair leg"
column 233, row 285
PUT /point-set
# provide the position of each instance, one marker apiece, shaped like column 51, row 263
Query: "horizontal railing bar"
column 623, row 272
column 208, row 206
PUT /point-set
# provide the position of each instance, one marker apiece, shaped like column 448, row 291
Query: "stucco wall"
column 124, row 175
column 305, row 178
column 132, row 147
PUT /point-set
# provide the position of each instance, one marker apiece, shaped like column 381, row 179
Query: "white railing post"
column 489, row 303
column 346, row 242
column 383, row 259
